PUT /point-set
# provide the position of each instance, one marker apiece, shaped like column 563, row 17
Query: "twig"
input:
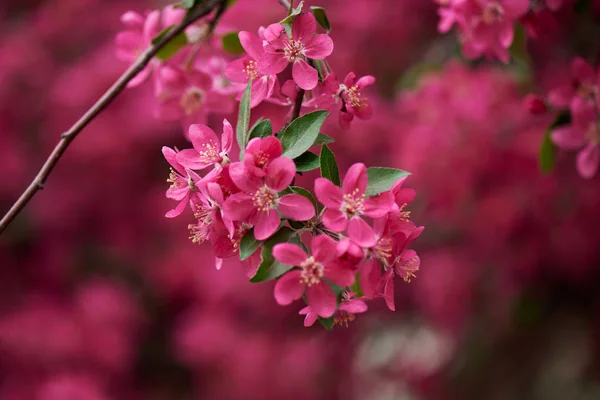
column 286, row 4
column 298, row 104
column 38, row 182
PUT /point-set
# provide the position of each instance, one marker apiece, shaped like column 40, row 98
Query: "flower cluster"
column 487, row 27
column 577, row 125
column 249, row 207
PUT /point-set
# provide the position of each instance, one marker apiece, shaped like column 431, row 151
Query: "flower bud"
column 535, row 104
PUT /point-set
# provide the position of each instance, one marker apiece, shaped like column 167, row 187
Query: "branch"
column 298, row 104
column 286, row 4
column 38, row 182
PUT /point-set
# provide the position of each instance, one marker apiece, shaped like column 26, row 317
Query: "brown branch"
column 298, row 104
column 38, row 182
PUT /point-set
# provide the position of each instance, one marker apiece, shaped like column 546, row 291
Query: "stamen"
column 354, row 204
column 312, row 272
column 264, row 199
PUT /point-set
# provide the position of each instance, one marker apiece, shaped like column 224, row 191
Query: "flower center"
column 493, row 12
column 210, row 153
column 176, row 180
column 250, row 70
column 353, row 204
column 237, row 236
column 264, row 199
column 342, row 318
column 260, row 159
column 192, row 100
column 404, row 215
column 406, row 269
column 383, row 250
column 293, row 49
column 312, row 272
column 354, row 98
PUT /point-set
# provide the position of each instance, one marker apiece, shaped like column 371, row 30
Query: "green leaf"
column 548, row 150
column 382, row 179
column 187, row 4
column 300, row 135
column 241, row 129
column 301, row 191
column 321, row 17
column 270, row 268
column 229, row 3
column 323, row 139
column 327, row 322
column 319, row 67
column 329, row 167
column 248, row 245
column 356, row 286
column 307, row 162
column 172, row 46
column 261, row 129
column 231, row 43
column 287, row 21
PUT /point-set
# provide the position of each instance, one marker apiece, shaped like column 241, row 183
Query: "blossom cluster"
column 359, row 231
column 487, row 27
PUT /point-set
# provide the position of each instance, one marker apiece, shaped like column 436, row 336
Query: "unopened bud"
column 535, row 104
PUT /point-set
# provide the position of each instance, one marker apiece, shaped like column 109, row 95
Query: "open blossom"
column 208, row 150
column 259, row 153
column 345, row 313
column 207, row 211
column 347, row 205
column 583, row 88
column 583, row 133
column 245, row 69
column 183, row 182
column 309, row 277
column 259, row 202
column 280, row 50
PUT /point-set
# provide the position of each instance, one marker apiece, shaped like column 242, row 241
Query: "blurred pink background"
column 101, row 297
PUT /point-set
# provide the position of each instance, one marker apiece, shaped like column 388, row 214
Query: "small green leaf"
column 187, row 4
column 171, row 47
column 323, row 139
column 231, row 43
column 321, row 17
column 356, row 286
column 261, row 129
column 229, row 3
column 327, row 322
column 241, row 129
column 307, row 162
column 548, row 150
column 301, row 133
column 248, row 245
column 301, row 191
column 287, row 21
column 382, row 179
column 319, row 67
column 329, row 167
column 270, row 268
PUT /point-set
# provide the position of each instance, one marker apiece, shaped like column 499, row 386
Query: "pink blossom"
column 344, row 314
column 207, row 148
column 583, row 87
column 182, row 180
column 207, row 211
column 345, row 206
column 245, row 69
column 259, row 153
column 280, row 50
column 583, row 133
column 259, row 202
column 309, row 276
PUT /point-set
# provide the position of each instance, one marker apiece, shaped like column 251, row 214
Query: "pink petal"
column 179, row 209
column 365, row 81
column 227, row 137
column 288, row 288
column 365, row 112
column 361, row 232
column 335, row 220
column 340, row 273
column 328, row 194
column 370, row 277
column 140, row 77
column 215, row 192
column 506, row 35
column 280, row 173
column 350, row 79
column 321, row 299
column 388, row 293
column 304, row 27
column 323, row 248
column 152, row 25
column 171, row 157
column 202, row 137
column 243, row 180
column 320, row 47
column 354, row 306
column 568, row 138
column 290, row 254
column 238, row 207
column 515, row 9
column 310, row 318
column 296, row 207
column 405, row 196
column 190, row 159
column 271, row 63
column 272, row 34
column 356, row 180
column 378, row 206
column 561, row 96
column 235, row 70
column 271, row 146
column 251, row 264
column 304, row 75
column 265, row 223
column 132, row 19
column 588, row 160
column 259, row 91
column 583, row 71
column 251, row 44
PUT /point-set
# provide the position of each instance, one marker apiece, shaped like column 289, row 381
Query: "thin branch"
column 38, row 182
column 286, row 4
column 298, row 104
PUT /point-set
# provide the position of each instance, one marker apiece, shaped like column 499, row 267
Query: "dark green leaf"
column 187, row 4
column 382, row 179
column 329, row 167
column 323, row 139
column 241, row 129
column 301, row 133
column 269, row 267
column 319, row 67
column 321, row 17
column 356, row 286
column 548, row 150
column 307, row 162
column 261, row 129
column 229, row 3
column 231, row 43
column 327, row 322
column 171, row 47
column 301, row 191
column 248, row 245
